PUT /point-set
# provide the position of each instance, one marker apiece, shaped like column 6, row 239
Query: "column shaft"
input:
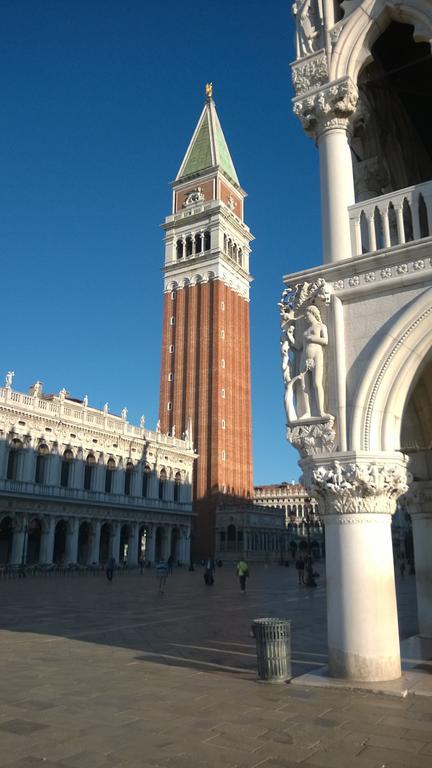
column 337, row 193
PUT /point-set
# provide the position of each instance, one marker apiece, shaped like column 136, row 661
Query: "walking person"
column 209, row 572
column 110, row 568
column 300, row 566
column 170, row 564
column 162, row 571
column 242, row 573
column 141, row 563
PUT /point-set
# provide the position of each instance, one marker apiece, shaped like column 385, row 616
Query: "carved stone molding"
column 356, row 484
column 330, row 107
column 313, row 439
column 310, row 73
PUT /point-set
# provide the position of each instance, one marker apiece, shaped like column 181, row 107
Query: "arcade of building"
column 79, row 485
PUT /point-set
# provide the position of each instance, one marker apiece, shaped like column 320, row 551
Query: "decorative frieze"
column 310, row 73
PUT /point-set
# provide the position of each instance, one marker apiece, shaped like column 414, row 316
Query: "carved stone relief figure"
column 309, row 24
column 303, row 340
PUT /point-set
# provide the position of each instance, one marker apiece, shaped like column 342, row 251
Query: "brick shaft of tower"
column 205, row 372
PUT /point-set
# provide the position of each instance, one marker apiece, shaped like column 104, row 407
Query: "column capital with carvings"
column 418, row 498
column 328, row 107
column 354, row 483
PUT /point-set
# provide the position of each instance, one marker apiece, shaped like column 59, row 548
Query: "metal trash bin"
column 273, row 647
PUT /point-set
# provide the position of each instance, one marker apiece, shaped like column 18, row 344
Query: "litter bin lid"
column 267, row 621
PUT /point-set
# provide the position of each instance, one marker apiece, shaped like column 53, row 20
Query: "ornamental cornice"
column 381, row 274
column 350, row 484
column 309, row 73
column 329, row 107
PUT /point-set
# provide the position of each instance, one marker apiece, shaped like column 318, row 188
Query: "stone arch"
column 84, row 537
column 389, row 377
column 104, row 543
column 362, row 28
column 34, row 537
column 175, row 544
column 60, row 535
column 6, row 537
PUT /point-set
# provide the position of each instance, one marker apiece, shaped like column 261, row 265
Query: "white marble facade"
column 79, row 484
column 356, row 369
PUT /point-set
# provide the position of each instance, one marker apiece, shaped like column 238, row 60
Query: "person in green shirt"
column 242, row 573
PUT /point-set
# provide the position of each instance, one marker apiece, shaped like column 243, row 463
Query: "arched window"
column 66, row 465
column 189, row 246
column 109, row 474
column 206, row 241
column 231, row 538
column 41, row 463
column 198, row 243
column 128, row 478
column 162, row 482
column 88, row 471
column 15, row 449
column 179, row 249
column 240, row 257
column 423, row 217
column 177, row 486
column 146, row 480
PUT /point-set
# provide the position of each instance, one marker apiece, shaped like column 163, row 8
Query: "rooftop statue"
column 9, row 379
column 209, row 90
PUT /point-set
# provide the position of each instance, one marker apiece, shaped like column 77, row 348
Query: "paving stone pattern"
column 96, row 674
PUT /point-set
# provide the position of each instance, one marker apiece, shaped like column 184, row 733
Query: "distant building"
column 80, row 485
column 267, row 528
column 291, row 497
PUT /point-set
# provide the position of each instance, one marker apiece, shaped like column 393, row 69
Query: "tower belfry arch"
column 205, row 372
column 359, row 327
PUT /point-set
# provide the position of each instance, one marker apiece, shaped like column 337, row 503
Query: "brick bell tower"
column 205, row 373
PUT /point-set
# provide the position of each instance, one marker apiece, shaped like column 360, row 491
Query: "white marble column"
column 325, row 116
column 52, row 473
column 151, row 544
column 115, row 541
column 132, row 559
column 27, row 465
column 337, row 190
column 94, row 546
column 117, row 486
column 186, row 547
column 99, row 476
column 166, row 544
column 71, row 554
column 18, row 540
column 420, row 507
column 47, row 540
column 136, row 480
column 3, row 457
column 77, row 474
column 357, row 495
column 153, row 485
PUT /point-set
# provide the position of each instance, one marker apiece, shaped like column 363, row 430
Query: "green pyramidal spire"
column 208, row 147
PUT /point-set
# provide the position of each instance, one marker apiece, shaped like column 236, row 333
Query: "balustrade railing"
column 95, row 497
column 82, row 414
column 391, row 219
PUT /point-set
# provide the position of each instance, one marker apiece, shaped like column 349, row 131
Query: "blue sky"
column 99, row 102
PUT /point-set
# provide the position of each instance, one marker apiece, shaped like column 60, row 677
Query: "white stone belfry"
column 356, row 332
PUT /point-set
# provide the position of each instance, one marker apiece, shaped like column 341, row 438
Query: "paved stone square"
column 97, row 674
